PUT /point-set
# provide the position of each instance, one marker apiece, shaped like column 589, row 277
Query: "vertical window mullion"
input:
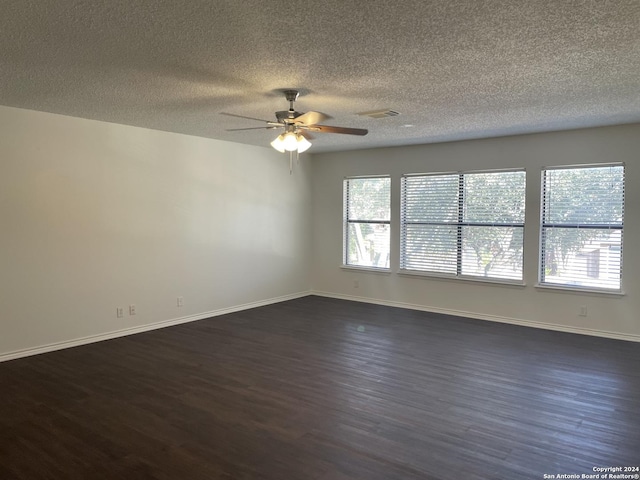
column 543, row 230
column 403, row 227
column 459, row 227
column 345, row 248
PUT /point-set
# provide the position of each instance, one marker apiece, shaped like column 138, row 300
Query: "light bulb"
column 290, row 142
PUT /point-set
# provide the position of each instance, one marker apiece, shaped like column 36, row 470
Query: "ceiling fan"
column 297, row 126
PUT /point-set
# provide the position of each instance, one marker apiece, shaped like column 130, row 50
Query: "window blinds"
column 367, row 214
column 463, row 224
column 582, row 225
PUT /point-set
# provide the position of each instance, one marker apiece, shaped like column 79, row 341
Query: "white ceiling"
column 454, row 69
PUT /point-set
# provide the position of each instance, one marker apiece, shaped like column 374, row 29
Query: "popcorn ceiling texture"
column 453, row 69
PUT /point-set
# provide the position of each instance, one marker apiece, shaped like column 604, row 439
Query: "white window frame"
column 458, row 275
column 543, row 225
column 348, row 221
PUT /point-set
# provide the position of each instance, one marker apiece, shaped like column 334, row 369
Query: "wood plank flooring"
column 323, row 389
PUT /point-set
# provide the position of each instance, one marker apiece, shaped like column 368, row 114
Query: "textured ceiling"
column 454, row 69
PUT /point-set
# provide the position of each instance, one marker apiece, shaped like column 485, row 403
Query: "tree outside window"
column 464, row 224
column 582, row 225
column 367, row 218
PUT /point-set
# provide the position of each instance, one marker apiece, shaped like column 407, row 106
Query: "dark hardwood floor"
column 318, row 388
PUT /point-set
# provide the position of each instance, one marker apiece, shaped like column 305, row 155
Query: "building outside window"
column 582, row 221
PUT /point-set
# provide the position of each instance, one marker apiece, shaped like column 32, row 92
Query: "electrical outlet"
column 356, row 284
column 119, row 312
column 180, row 301
column 132, row 309
column 583, row 311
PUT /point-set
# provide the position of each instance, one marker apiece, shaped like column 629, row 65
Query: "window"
column 367, row 215
column 463, row 224
column 581, row 226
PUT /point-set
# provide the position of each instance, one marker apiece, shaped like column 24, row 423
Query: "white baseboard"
column 144, row 328
column 201, row 316
column 480, row 316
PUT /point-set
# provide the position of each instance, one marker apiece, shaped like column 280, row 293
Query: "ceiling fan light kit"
column 291, row 142
column 296, row 137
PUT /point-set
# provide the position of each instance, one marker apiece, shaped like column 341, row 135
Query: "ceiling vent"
column 380, row 113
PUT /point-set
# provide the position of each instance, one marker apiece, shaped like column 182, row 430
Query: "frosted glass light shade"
column 303, row 144
column 278, row 143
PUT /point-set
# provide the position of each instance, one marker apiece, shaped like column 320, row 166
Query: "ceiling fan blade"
column 311, row 118
column 306, row 135
column 330, row 129
column 242, row 116
column 250, row 128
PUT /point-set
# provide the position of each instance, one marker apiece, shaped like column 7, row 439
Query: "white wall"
column 607, row 315
column 96, row 216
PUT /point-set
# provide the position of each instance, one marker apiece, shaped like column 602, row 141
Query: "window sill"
column 578, row 290
column 492, row 281
column 379, row 270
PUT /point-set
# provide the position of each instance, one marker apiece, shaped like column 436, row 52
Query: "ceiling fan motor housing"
column 291, row 95
column 285, row 115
